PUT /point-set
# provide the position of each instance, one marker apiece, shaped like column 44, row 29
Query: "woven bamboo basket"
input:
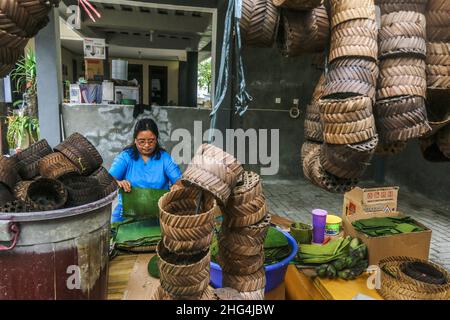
column 242, row 266
column 56, row 165
column 348, row 88
column 178, row 209
column 438, row 34
column 307, row 147
column 185, row 280
column 161, row 294
column 247, row 189
column 348, row 128
column 300, row 5
column 181, row 265
column 398, row 106
column 404, row 120
column 313, row 126
column 16, row 206
column 358, row 27
column 350, row 138
column 29, row 158
column 404, row 28
column 354, row 47
column 303, row 32
column 416, row 88
column 81, row 190
column 258, row 230
column 438, row 53
column 213, row 170
column 226, row 294
column 347, row 161
column 353, row 73
column 184, row 291
column 43, row 194
column 408, row 66
column 398, row 18
column 391, row 149
column 187, row 234
column 247, row 214
column 5, row 194
column 10, row 40
column 189, row 246
column 396, row 285
column 345, row 10
column 15, row 19
column 8, row 173
column 106, row 181
column 430, row 150
column 239, row 248
column 402, row 45
column 404, row 134
column 347, row 117
column 234, row 235
column 259, row 23
column 352, row 104
column 318, row 89
column 81, row 153
column 245, row 283
column 436, row 5
column 438, row 82
column 388, row 6
column 443, row 141
column 254, row 295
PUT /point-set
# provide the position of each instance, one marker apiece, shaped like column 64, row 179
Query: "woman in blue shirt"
column 144, row 164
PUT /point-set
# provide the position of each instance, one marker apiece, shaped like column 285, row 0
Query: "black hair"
column 145, row 124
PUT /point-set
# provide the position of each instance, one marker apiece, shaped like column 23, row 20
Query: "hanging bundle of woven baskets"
column 20, row 20
column 346, row 10
column 81, row 153
column 28, row 159
column 56, row 165
column 213, row 170
column 438, row 20
column 8, row 174
column 313, row 127
column 388, row 6
column 300, row 5
column 81, row 190
column 303, row 32
column 184, row 228
column 405, row 278
column 438, row 65
column 259, row 23
column 43, row 194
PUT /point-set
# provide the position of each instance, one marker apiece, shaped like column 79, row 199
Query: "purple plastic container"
column 319, row 222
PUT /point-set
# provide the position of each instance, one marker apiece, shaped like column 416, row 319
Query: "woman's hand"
column 177, row 185
column 125, row 185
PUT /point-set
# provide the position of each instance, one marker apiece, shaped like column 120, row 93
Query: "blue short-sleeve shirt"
column 155, row 174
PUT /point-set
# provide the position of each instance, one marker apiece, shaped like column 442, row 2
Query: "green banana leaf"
column 141, row 203
column 142, row 232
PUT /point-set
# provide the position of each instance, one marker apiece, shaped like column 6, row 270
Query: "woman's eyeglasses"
column 143, row 142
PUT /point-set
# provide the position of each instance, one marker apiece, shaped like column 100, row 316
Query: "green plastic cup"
column 302, row 232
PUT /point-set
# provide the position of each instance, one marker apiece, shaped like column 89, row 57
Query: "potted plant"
column 23, row 130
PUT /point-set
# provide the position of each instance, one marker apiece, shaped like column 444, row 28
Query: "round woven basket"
column 307, row 147
column 402, row 45
column 245, row 265
column 438, row 5
column 348, row 128
column 16, row 19
column 172, row 264
column 348, row 117
column 402, row 66
column 246, row 214
column 259, row 23
column 233, row 235
column 245, row 283
column 187, row 247
column 353, row 46
column 313, row 126
column 348, row 88
column 178, row 210
column 107, row 183
column 395, row 87
column 348, row 161
column 240, row 248
column 28, row 159
column 345, row 10
column 404, row 120
column 5, row 194
column 318, row 89
column 43, row 194
column 81, row 190
column 443, row 141
column 248, row 188
column 438, row 34
column 438, row 53
column 300, row 5
column 184, row 291
column 56, row 165
column 254, row 295
column 213, row 170
column 403, row 23
column 8, row 173
column 388, row 6
column 258, row 230
column 398, row 106
column 391, row 149
column 404, row 134
column 81, row 153
column 185, row 280
column 303, row 32
column 161, row 294
column 16, row 206
column 351, row 73
column 358, row 27
column 342, row 106
column 396, row 285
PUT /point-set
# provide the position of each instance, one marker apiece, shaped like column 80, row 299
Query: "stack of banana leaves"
column 376, row 227
column 345, row 258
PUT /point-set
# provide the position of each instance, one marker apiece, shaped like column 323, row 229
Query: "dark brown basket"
column 247, row 189
column 399, row 86
column 189, row 246
column 307, row 147
column 5, row 194
column 81, row 153
column 358, row 27
column 388, row 6
column 43, row 194
column 318, row 89
column 106, row 181
column 404, row 120
column 16, row 206
column 258, row 230
column 246, row 214
column 245, row 283
column 244, row 265
column 401, row 45
column 181, row 265
column 240, row 248
column 28, row 159
column 438, row 34
column 56, row 165
column 185, row 280
column 259, row 23
column 8, row 173
column 81, row 190
column 438, row 53
column 419, row 130
column 8, row 58
column 398, row 106
column 303, row 32
column 300, row 5
column 341, row 88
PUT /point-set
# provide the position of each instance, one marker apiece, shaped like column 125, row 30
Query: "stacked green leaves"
column 377, row 227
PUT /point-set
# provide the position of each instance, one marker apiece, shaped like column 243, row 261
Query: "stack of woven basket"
column 20, row 21
column 400, row 108
column 436, row 147
column 304, row 27
column 39, row 179
column 241, row 239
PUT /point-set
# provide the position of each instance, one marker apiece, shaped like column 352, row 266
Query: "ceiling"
column 142, row 30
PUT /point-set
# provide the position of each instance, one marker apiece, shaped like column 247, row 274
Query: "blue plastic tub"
column 274, row 273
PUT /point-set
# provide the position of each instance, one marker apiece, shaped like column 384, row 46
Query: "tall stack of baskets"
column 436, row 147
column 400, row 108
column 40, row 179
column 20, row 21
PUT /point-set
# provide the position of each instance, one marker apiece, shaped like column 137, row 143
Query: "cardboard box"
column 370, row 200
column 414, row 244
column 94, row 69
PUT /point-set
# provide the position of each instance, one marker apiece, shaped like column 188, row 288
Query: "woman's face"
column 146, row 142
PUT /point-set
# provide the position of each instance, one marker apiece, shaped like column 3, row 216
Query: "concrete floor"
column 294, row 199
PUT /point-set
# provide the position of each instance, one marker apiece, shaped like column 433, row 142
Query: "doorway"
column 136, row 71
column 158, row 85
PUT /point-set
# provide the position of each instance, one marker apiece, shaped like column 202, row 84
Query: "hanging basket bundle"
column 403, row 85
column 43, row 194
column 346, row 10
column 8, row 172
column 388, row 6
column 313, row 126
column 213, row 170
column 353, row 46
column 5, row 194
column 438, row 65
column 245, row 283
column 28, row 159
column 107, row 183
column 303, row 32
column 348, row 161
column 81, row 190
column 398, row 280
column 398, row 106
column 300, row 5
column 56, row 165
column 259, row 23
column 438, row 21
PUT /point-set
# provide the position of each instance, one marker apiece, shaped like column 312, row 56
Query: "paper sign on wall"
column 94, row 48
